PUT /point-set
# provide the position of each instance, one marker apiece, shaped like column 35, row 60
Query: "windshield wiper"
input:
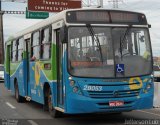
column 94, row 37
column 123, row 40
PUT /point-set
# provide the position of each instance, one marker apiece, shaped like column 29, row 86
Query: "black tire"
column 54, row 113
column 17, row 96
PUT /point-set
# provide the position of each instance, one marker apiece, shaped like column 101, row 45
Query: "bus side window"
column 20, row 49
column 35, row 47
column 46, row 43
column 14, row 51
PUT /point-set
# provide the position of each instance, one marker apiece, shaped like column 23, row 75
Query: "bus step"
column 28, row 98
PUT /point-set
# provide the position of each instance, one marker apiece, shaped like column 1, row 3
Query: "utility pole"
column 1, row 37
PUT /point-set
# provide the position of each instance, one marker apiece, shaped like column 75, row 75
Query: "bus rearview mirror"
column 149, row 26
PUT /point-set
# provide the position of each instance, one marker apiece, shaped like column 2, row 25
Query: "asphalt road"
column 31, row 113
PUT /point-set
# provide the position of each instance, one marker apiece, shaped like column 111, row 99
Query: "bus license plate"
column 116, row 103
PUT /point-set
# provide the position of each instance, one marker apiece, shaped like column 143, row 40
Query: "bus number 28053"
column 92, row 88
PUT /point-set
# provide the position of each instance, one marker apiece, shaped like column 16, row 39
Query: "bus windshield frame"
column 113, row 58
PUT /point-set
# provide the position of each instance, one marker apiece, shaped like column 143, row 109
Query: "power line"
column 92, row 3
column 115, row 3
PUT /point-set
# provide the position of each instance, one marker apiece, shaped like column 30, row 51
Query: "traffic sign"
column 53, row 5
column 36, row 15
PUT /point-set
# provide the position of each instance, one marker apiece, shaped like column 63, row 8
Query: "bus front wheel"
column 53, row 112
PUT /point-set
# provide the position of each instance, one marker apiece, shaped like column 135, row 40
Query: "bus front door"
column 60, row 82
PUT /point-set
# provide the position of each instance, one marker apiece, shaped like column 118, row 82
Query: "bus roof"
column 45, row 22
column 57, row 17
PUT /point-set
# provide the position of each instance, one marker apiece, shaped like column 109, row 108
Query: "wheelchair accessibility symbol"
column 120, row 68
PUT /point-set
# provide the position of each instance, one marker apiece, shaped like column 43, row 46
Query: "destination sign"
column 105, row 17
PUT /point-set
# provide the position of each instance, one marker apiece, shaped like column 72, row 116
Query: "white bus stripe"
column 10, row 105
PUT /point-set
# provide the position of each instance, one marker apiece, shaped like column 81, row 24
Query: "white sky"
column 14, row 23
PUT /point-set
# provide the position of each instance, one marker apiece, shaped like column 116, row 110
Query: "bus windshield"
column 96, row 53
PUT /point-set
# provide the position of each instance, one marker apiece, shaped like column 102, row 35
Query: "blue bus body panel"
column 32, row 89
column 36, row 83
column 89, row 101
column 25, row 73
column 80, row 104
column 18, row 74
column 7, row 80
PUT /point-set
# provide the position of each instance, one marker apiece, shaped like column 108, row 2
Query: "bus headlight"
column 72, row 83
column 75, row 89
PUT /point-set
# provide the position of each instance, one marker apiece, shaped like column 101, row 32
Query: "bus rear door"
column 27, row 55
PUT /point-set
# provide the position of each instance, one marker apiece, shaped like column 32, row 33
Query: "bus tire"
column 53, row 112
column 17, row 96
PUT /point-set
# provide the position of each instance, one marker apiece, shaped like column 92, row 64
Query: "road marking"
column 149, row 113
column 32, row 122
column 10, row 105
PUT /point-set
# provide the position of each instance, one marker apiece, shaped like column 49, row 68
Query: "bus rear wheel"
column 53, row 112
column 17, row 96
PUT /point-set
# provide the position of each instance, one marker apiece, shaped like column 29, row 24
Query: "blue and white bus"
column 83, row 61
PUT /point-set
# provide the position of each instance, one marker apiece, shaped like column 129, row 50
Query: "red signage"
column 53, row 5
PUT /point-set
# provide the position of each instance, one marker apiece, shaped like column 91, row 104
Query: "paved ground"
column 31, row 113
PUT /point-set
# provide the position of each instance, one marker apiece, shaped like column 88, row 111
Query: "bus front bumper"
column 77, row 104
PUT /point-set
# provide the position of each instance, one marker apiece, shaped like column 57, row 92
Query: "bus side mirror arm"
column 63, row 34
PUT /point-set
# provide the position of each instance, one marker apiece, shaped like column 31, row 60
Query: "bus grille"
column 114, row 94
